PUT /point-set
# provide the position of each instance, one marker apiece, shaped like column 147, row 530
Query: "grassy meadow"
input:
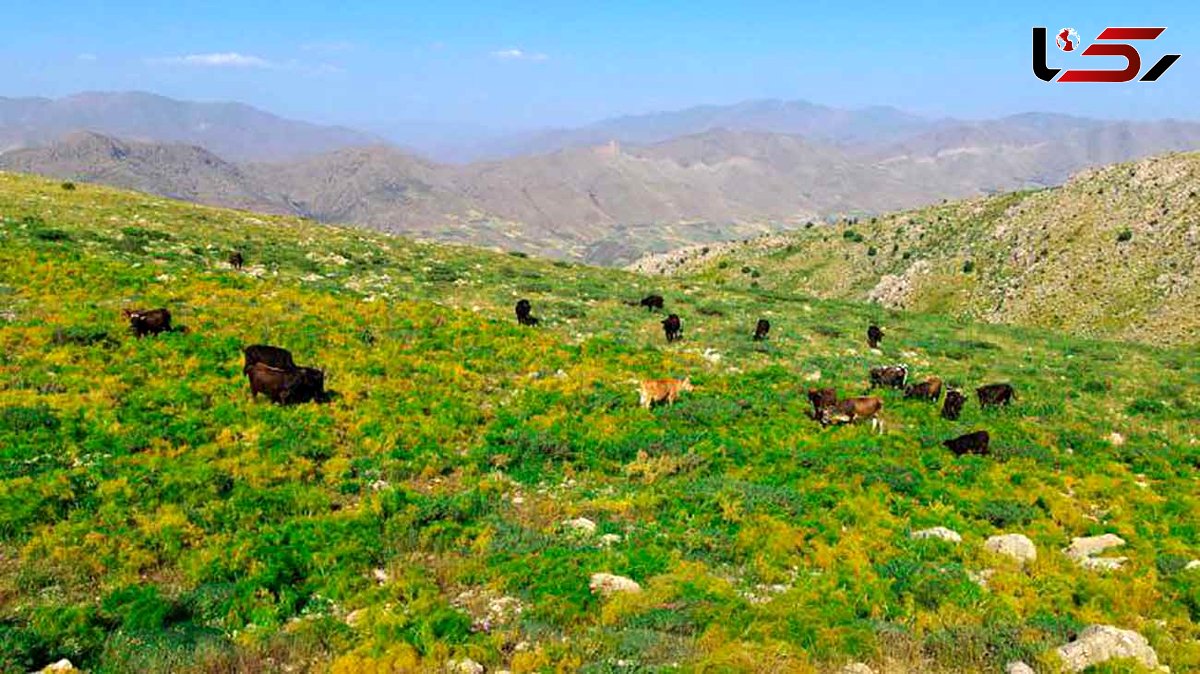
column 153, row 518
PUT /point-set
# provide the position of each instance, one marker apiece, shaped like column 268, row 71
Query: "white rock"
column 1017, row 546
column 582, row 525
column 1103, row 563
column 1100, row 643
column 1018, row 667
column 938, row 532
column 63, row 665
column 981, row 577
column 1192, row 565
column 1088, row 546
column 857, row 668
column 813, row 376
column 380, row 576
column 610, row 539
column 353, row 618
column 1116, row 439
column 464, row 666
column 607, row 584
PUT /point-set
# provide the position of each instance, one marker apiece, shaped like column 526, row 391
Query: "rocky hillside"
column 481, row 496
column 1115, row 252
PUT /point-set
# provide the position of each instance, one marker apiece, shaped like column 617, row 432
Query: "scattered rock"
column 608, row 584
column 1018, row 667
column 610, row 539
column 1017, row 546
column 857, row 668
column 1100, row 643
column 464, row 666
column 1084, row 549
column 938, row 532
column 981, row 577
column 1103, row 563
column 1088, row 546
column 581, row 525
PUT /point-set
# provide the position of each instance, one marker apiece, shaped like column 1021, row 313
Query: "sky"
column 523, row 65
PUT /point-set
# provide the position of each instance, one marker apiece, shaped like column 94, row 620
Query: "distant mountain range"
column 606, row 193
column 232, row 130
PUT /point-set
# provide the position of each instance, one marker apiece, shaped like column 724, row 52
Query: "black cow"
column 761, row 330
column 673, row 327
column 953, row 405
column 524, row 309
column 971, row 443
column 236, row 260
column 271, row 355
column 995, row 394
column 874, row 336
column 652, row 302
column 889, row 376
column 148, row 321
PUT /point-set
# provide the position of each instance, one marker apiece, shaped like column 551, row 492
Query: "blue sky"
column 523, row 65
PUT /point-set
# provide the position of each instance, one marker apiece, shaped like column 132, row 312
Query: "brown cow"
column 821, row 399
column 889, row 376
column 954, row 404
column 995, row 394
column 850, row 410
column 971, row 443
column 652, row 391
column 285, row 387
column 930, row 389
column 148, row 321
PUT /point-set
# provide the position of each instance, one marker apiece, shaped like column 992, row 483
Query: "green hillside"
column 1113, row 253
column 153, row 518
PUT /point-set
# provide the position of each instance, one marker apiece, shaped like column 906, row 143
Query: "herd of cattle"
column 272, row 371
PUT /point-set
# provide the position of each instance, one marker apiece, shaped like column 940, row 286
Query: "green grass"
column 153, row 518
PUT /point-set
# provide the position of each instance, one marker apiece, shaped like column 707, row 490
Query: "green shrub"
column 1124, row 235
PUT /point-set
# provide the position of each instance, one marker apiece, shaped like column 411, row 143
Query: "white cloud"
column 515, row 54
column 216, row 60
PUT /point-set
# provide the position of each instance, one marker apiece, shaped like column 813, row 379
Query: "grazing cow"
column 662, row 390
column 874, row 336
column 761, row 329
column 995, row 394
column 850, row 410
column 148, row 321
column 673, row 327
column 236, row 260
column 652, row 302
column 524, row 316
column 285, row 387
column 971, row 443
column 271, row 355
column 889, row 376
column 953, row 405
column 821, row 399
column 930, row 389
